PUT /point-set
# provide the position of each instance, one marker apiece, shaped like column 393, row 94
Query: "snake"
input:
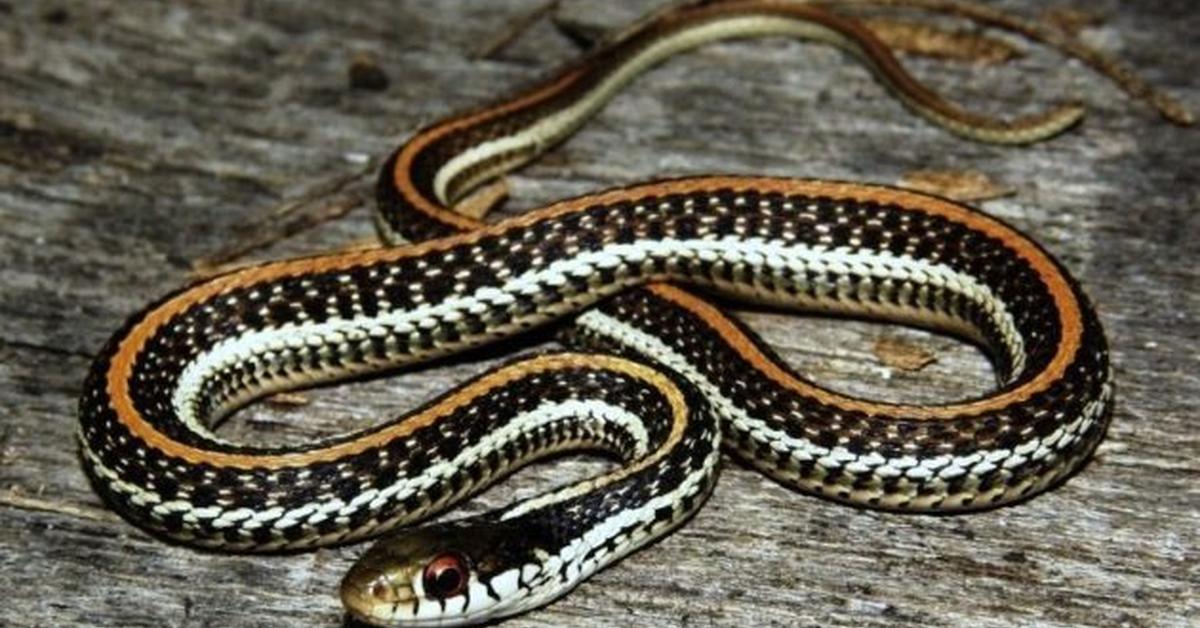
column 653, row 376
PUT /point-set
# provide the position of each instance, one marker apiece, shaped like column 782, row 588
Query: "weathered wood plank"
column 136, row 139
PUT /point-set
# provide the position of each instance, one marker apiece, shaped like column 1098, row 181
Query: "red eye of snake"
column 445, row 576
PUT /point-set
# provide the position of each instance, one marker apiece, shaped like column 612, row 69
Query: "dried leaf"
column 958, row 185
column 931, row 41
column 483, row 200
column 902, row 355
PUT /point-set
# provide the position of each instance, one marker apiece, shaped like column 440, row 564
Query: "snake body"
column 658, row 378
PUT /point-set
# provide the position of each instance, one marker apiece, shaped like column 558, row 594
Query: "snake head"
column 456, row 573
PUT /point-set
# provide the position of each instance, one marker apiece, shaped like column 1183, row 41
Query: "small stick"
column 14, row 498
column 514, row 30
column 327, row 187
column 221, row 261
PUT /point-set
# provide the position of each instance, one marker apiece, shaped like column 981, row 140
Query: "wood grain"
column 137, row 138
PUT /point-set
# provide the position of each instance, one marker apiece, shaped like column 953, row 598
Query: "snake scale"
column 656, row 377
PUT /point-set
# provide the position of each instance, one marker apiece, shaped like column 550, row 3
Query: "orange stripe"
column 1069, row 314
column 118, row 377
column 120, row 370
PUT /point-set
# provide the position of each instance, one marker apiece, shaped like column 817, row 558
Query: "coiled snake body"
column 659, row 378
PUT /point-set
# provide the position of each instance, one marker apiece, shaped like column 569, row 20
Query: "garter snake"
column 658, row 378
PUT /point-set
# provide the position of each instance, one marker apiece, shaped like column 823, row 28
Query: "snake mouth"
column 375, row 596
column 380, row 602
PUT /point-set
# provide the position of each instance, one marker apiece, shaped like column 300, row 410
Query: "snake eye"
column 446, row 575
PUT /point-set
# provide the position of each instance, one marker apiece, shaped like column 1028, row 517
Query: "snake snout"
column 373, row 594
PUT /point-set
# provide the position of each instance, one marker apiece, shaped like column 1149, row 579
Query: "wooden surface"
column 138, row 138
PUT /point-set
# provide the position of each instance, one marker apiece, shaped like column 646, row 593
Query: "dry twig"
column 517, row 28
column 260, row 236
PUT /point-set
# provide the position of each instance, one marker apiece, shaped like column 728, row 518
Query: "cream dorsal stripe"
column 762, row 256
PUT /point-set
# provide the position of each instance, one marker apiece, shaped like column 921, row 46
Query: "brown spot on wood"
column 25, row 146
column 56, row 16
column 366, row 74
column 900, row 354
column 1015, row 556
